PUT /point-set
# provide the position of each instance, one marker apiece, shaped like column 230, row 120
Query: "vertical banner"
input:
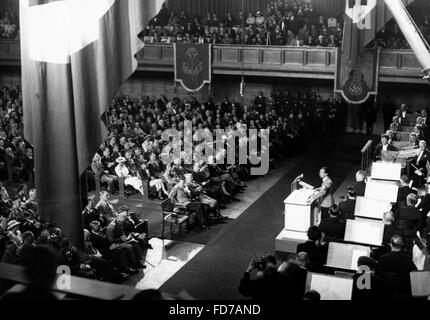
column 193, row 65
column 358, row 83
column 358, row 67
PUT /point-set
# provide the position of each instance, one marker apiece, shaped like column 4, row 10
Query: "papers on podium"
column 330, row 287
column 385, row 191
column 345, row 255
column 371, row 208
column 386, row 171
column 299, row 197
column 401, row 145
column 364, row 231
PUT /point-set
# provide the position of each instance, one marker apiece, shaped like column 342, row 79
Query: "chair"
column 174, row 216
column 395, row 286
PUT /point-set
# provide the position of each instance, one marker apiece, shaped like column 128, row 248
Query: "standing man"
column 419, row 165
column 324, row 194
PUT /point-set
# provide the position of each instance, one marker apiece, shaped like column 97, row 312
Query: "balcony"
column 10, row 53
column 396, row 66
column 294, row 62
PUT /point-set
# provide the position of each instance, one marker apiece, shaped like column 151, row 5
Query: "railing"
column 399, row 66
column 80, row 287
column 366, row 157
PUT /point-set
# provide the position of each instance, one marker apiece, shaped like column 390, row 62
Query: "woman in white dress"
column 122, row 171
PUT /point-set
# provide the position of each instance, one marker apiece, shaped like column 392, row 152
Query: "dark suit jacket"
column 403, row 193
column 422, row 163
column 360, row 188
column 397, row 262
column 333, row 228
column 378, row 150
column 317, row 254
column 408, row 218
column 347, row 208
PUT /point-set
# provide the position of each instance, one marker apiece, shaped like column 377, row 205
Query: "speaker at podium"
column 298, row 217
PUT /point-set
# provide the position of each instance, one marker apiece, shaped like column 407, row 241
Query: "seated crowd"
column 9, row 25
column 389, row 265
column 16, row 155
column 115, row 240
column 282, row 22
column 406, row 232
column 391, row 37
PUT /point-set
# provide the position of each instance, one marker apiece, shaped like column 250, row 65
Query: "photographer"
column 268, row 283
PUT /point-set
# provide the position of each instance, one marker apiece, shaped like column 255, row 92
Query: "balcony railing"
column 267, row 61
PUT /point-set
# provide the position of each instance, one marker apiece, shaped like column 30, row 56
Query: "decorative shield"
column 193, row 65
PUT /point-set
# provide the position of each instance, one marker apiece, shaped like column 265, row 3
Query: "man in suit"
column 404, row 189
column 347, row 207
column 332, row 227
column 117, row 237
column 324, row 194
column 181, row 195
column 398, row 262
column 419, row 165
column 121, row 258
column 315, row 248
column 409, row 218
column 383, row 146
column 360, row 184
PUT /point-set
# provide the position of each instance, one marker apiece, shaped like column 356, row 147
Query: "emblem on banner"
column 193, row 65
column 356, row 89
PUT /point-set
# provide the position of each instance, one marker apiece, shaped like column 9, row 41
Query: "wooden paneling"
column 399, row 66
column 10, row 52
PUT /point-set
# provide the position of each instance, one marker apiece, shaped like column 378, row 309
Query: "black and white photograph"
column 216, row 158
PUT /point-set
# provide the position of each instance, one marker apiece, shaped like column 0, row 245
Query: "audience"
column 283, row 22
column 9, row 25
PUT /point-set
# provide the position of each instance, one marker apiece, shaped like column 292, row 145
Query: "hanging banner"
column 193, row 65
column 358, row 83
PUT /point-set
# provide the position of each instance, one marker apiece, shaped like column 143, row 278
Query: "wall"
column 10, row 76
column 414, row 95
column 155, row 85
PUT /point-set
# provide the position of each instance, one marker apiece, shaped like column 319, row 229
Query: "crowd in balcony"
column 9, row 25
column 283, row 22
column 391, row 37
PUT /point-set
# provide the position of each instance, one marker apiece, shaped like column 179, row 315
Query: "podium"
column 298, row 217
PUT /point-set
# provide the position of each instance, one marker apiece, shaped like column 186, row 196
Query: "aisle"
column 215, row 272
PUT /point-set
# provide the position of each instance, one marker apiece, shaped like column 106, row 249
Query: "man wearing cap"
column 347, row 207
column 13, row 232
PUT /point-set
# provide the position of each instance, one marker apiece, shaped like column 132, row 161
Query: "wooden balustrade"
column 398, row 66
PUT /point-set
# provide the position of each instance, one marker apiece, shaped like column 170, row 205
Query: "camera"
column 259, row 263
